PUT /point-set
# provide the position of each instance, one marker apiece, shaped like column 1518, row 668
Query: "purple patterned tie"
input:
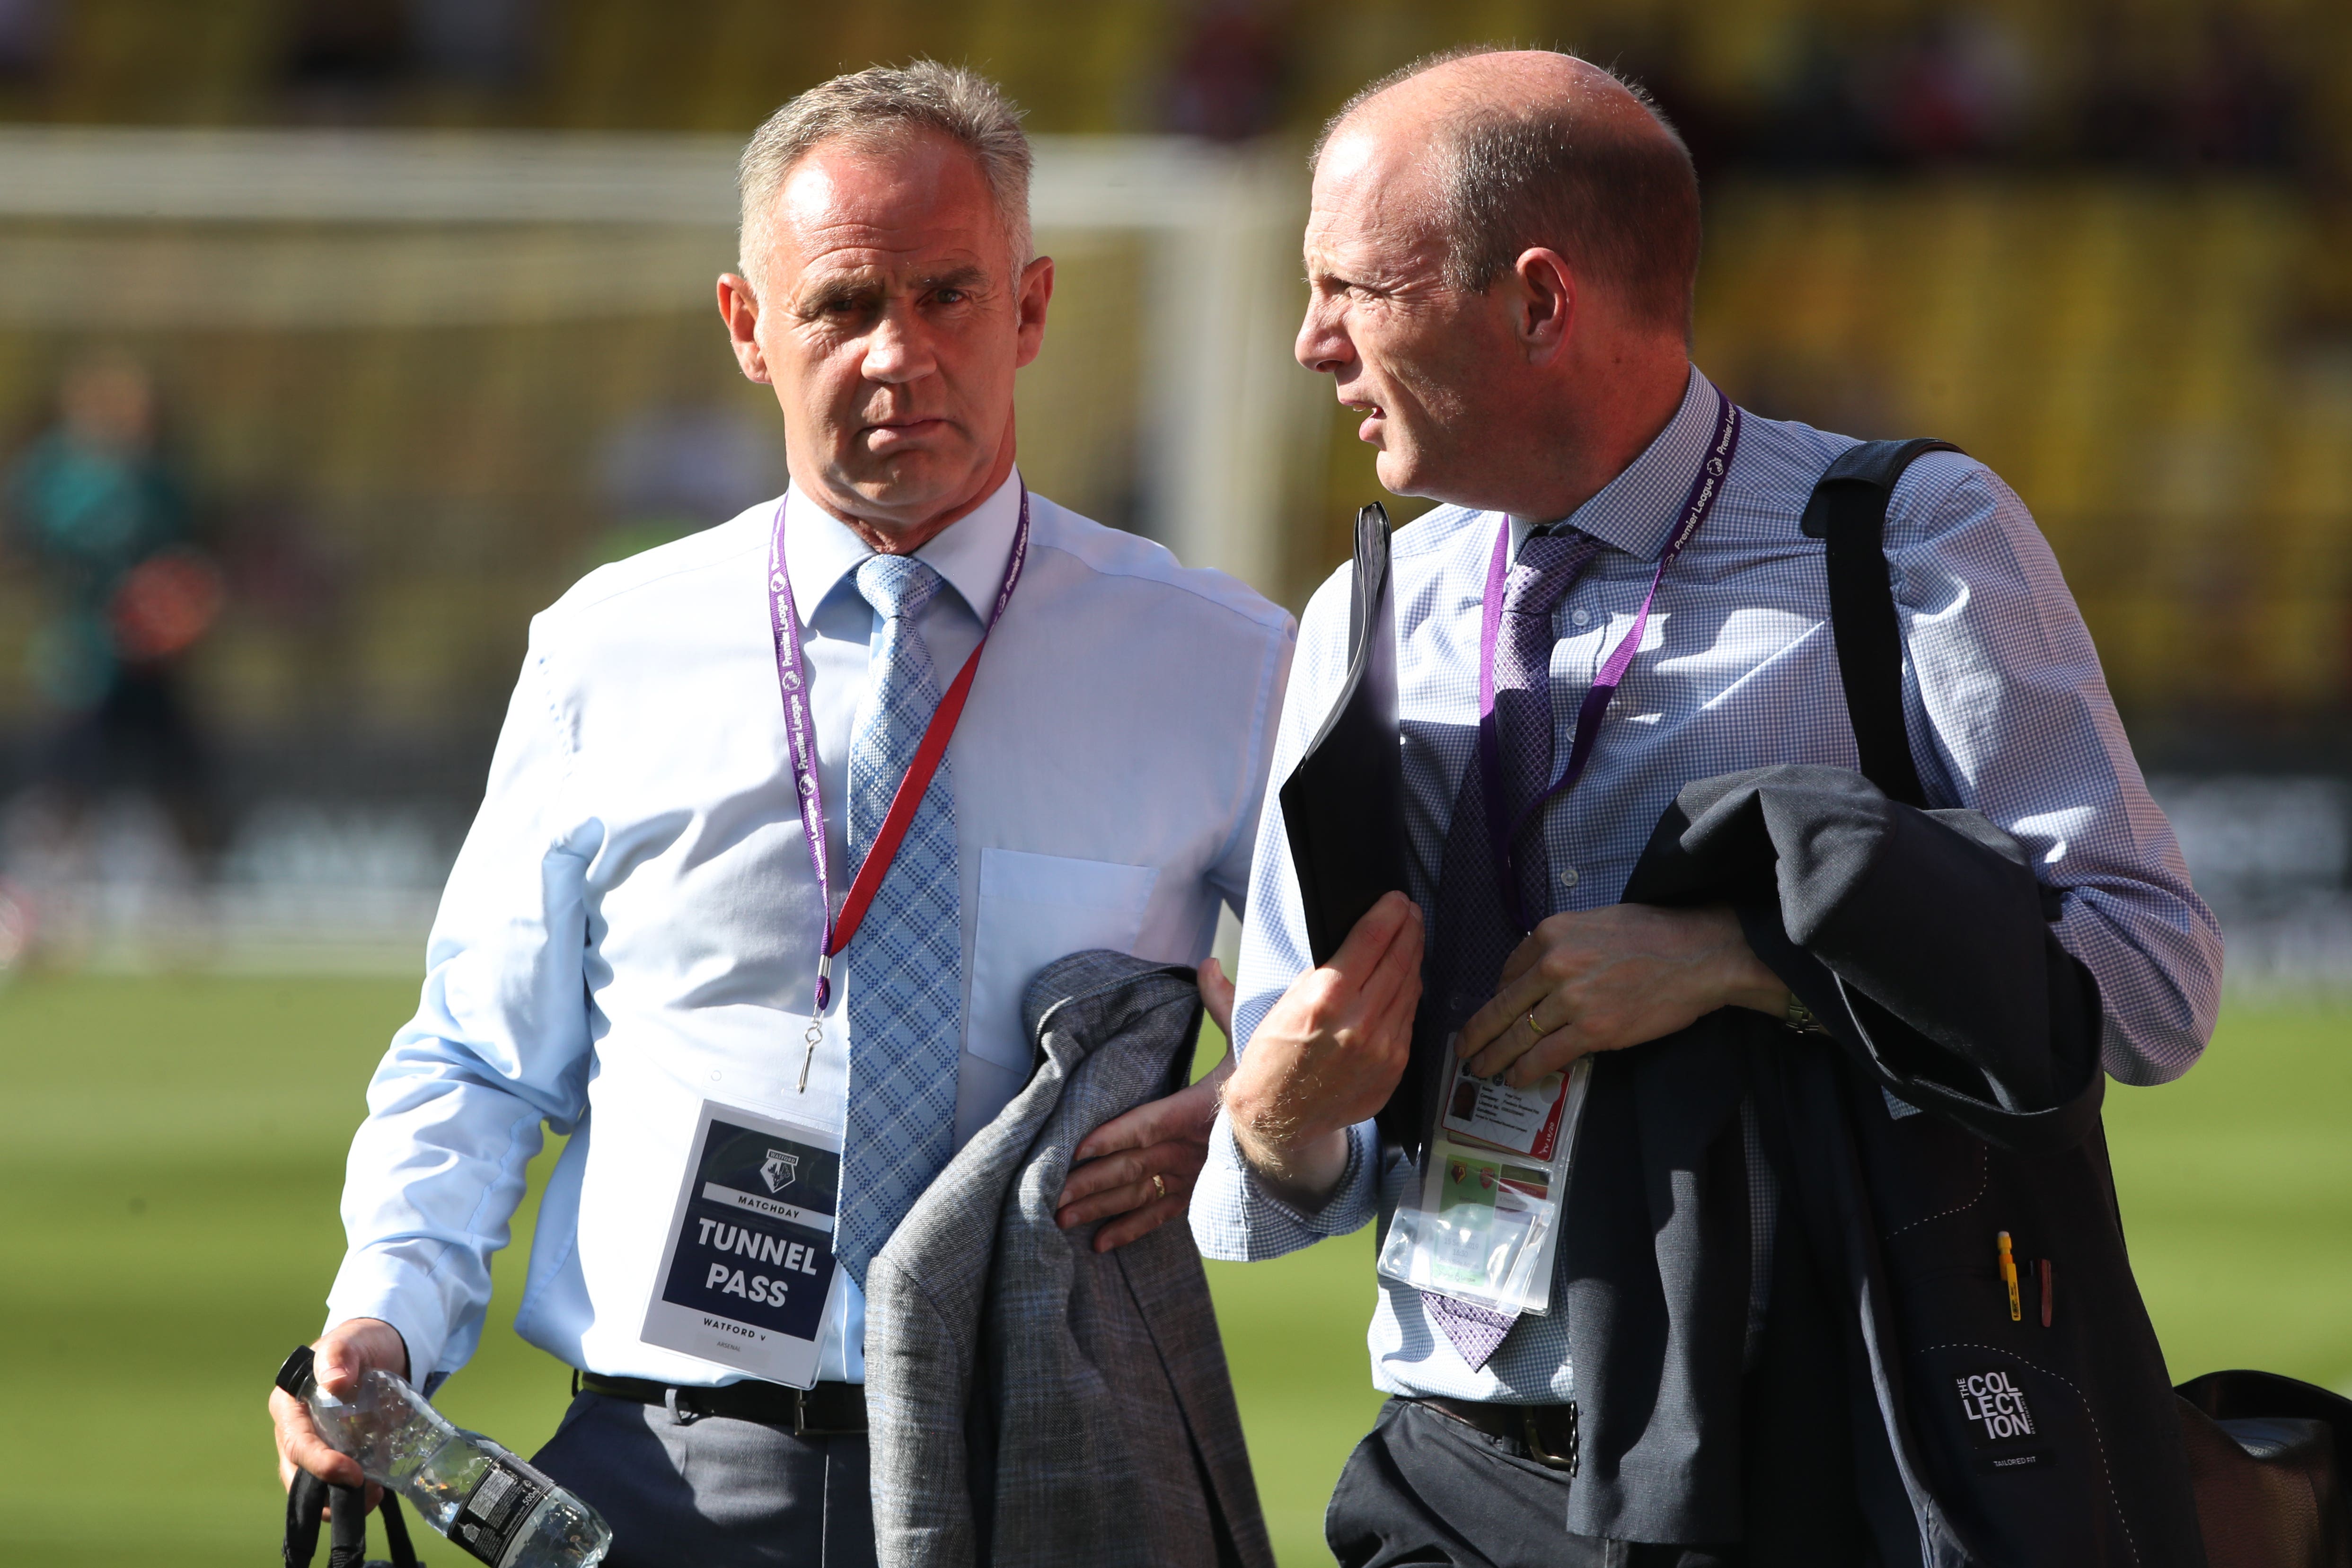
column 1477, row 922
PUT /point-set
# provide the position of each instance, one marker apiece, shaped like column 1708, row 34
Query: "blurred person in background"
column 634, row 923
column 97, row 509
column 1501, row 255
column 1229, row 70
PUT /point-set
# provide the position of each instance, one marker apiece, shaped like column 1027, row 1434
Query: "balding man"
column 1500, row 258
column 784, row 817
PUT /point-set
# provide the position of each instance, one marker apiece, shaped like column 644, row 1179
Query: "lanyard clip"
column 815, row 1035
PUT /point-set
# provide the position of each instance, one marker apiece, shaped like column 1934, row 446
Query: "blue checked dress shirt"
column 632, row 926
column 2008, row 714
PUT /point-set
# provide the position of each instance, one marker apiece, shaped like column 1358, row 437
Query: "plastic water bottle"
column 459, row 1482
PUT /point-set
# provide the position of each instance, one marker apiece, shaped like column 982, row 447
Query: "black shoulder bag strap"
column 308, row 1498
column 1848, row 512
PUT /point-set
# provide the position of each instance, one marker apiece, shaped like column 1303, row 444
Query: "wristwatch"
column 1801, row 1018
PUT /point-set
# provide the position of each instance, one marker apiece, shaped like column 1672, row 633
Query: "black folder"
column 1343, row 805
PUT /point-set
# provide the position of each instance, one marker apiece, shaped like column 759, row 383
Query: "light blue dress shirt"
column 633, row 927
column 2007, row 709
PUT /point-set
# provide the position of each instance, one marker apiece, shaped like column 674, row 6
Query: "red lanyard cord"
column 792, row 682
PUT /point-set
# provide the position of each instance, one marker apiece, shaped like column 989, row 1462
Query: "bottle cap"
column 295, row 1376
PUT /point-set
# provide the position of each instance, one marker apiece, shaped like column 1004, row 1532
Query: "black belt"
column 1548, row 1432
column 828, row 1410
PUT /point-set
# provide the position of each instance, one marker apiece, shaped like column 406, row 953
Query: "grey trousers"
column 1424, row 1489
column 712, row 1491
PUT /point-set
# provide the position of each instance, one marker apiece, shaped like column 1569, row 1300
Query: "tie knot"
column 1547, row 564
column 897, row 586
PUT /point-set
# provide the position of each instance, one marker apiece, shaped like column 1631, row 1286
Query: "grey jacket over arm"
column 1033, row 1402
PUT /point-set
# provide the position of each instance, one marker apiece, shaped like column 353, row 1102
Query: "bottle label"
column 491, row 1523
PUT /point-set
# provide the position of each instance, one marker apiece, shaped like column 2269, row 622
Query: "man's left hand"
column 1112, row 1172
column 1601, row 980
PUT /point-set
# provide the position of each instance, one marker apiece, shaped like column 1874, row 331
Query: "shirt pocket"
column 1034, row 908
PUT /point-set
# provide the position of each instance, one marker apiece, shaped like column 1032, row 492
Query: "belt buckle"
column 1538, row 1450
column 800, row 1424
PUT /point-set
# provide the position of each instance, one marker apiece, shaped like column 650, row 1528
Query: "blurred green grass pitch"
column 171, row 1151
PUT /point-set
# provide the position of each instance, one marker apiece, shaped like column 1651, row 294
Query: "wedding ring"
column 1531, row 1024
column 1158, row 1185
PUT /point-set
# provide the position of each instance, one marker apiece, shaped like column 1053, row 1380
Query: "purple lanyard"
column 792, row 680
column 1502, row 831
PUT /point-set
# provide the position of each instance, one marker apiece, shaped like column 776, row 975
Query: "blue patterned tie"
column 1477, row 925
column 906, row 969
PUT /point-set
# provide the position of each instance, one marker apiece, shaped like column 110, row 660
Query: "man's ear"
column 1036, row 293
column 740, row 308
column 1543, row 304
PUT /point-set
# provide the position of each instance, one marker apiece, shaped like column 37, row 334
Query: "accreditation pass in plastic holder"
column 1480, row 1220
column 747, row 1269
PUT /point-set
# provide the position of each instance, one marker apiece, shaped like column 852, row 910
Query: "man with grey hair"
column 1500, row 256
column 784, row 819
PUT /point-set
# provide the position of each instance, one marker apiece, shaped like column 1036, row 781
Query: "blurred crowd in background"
column 2172, row 86
column 283, row 486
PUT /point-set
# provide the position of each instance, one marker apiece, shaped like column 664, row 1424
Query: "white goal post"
column 430, row 228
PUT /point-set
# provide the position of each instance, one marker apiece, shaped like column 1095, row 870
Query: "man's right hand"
column 1328, row 1055
column 346, row 1351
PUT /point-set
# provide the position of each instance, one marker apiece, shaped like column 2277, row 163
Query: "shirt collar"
column 1637, row 511
column 970, row 553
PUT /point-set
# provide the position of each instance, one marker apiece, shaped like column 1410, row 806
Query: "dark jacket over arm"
column 1918, row 938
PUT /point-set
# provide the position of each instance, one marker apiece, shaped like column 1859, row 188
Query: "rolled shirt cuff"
column 383, row 1283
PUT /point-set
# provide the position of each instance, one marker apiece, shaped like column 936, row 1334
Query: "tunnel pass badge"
column 747, row 1268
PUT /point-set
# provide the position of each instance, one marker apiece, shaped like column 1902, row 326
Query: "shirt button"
column 1567, row 877
column 1580, row 617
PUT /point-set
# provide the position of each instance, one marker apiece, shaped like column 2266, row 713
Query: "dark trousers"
column 711, row 1492
column 1424, row 1489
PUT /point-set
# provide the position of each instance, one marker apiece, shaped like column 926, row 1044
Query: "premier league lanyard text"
column 1503, row 830
column 791, row 680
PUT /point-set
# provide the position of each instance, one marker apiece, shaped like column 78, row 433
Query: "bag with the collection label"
column 1951, row 1220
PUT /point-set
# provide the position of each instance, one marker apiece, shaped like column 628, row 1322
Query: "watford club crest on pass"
column 779, row 1168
